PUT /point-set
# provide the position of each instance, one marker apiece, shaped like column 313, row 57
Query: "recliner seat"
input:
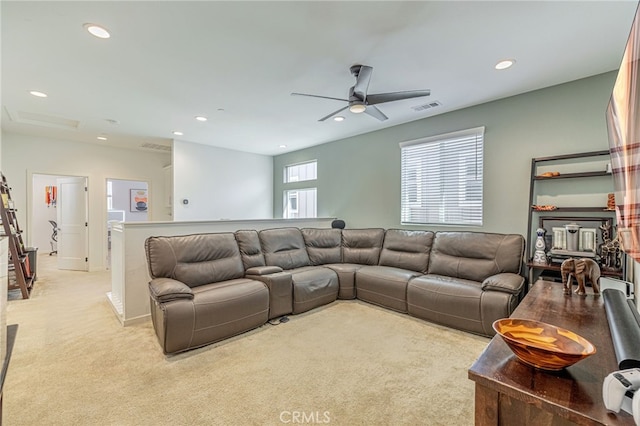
column 199, row 294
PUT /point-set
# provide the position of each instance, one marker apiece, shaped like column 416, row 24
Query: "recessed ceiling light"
column 38, row 94
column 102, row 138
column 97, row 30
column 338, row 118
column 504, row 64
column 283, row 146
column 201, row 118
column 177, row 133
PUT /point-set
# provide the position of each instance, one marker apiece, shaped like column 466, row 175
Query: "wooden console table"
column 509, row 392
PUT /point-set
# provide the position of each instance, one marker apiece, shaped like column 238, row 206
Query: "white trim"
column 443, row 137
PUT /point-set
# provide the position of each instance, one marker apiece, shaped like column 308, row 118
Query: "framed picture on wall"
column 139, row 200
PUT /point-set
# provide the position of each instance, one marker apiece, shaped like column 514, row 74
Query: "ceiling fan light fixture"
column 97, row 30
column 338, row 118
column 357, row 108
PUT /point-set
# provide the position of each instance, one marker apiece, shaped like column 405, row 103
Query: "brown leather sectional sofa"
column 208, row 287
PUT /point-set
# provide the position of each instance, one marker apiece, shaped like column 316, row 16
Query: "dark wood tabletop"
column 573, row 394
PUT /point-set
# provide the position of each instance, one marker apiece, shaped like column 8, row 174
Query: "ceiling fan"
column 360, row 101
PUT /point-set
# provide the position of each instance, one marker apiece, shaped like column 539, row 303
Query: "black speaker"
column 338, row 224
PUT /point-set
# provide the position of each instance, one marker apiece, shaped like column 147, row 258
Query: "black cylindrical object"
column 32, row 254
column 625, row 328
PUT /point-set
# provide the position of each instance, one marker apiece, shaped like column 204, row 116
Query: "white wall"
column 121, row 199
column 220, row 183
column 23, row 156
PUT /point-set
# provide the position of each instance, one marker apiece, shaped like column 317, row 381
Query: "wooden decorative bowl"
column 542, row 345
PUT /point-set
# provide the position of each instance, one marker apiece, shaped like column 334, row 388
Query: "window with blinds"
column 441, row 179
column 300, row 202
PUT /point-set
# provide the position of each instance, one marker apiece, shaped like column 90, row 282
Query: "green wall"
column 359, row 177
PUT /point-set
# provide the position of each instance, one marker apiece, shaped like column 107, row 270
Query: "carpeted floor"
column 348, row 363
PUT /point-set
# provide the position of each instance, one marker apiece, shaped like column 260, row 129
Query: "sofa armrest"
column 506, row 282
column 167, row 289
column 263, row 270
column 280, row 285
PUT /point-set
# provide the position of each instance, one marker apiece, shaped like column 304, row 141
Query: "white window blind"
column 441, row 179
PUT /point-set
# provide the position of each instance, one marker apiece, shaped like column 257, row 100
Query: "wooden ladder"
column 18, row 258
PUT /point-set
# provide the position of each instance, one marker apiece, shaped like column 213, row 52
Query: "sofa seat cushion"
column 217, row 311
column 313, row 286
column 384, row 285
column 454, row 302
column 347, row 278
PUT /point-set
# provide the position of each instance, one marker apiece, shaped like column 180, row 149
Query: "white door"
column 73, row 230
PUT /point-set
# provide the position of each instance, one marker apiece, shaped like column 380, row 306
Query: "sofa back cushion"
column 407, row 249
column 362, row 246
column 475, row 255
column 194, row 259
column 284, row 247
column 323, row 245
column 250, row 249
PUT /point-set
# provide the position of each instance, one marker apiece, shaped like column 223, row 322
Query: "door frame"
column 30, row 207
column 97, row 259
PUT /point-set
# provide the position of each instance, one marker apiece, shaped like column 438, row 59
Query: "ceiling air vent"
column 156, row 146
column 426, row 106
column 42, row 119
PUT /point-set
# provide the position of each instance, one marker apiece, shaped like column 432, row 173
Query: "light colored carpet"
column 348, row 363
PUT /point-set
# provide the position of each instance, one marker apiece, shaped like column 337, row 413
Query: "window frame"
column 287, row 196
column 285, row 170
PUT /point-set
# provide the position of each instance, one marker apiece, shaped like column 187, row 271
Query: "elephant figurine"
column 582, row 270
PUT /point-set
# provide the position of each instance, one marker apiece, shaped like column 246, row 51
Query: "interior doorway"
column 50, row 209
column 127, row 201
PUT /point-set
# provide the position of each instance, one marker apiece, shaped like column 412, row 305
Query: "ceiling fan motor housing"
column 355, row 70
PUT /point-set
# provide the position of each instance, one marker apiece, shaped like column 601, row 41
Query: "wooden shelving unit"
column 20, row 276
column 577, row 176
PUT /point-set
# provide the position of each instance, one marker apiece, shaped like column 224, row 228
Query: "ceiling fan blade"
column 362, row 82
column 334, row 113
column 318, row 96
column 375, row 112
column 380, row 98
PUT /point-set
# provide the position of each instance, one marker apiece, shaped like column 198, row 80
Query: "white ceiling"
column 167, row 62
